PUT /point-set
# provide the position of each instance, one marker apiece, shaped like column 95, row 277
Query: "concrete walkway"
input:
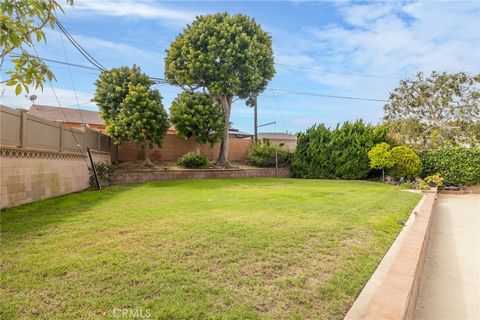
column 450, row 285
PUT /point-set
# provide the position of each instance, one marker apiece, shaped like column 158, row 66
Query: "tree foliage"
column 338, row 153
column 198, row 116
column 22, row 24
column 406, row 163
column 228, row 56
column 381, row 157
column 130, row 108
column 431, row 111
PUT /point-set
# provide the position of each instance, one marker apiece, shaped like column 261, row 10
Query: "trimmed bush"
column 407, row 163
column 338, row 153
column 192, row 160
column 263, row 155
column 104, row 174
column 457, row 166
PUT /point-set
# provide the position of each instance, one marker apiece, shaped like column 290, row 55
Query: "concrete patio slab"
column 450, row 285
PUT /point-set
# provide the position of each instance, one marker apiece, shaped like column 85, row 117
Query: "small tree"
column 131, row 109
column 228, row 56
column 381, row 158
column 407, row 163
column 23, row 22
column 198, row 116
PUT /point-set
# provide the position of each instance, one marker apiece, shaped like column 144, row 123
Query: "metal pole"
column 276, row 154
column 276, row 163
column 255, row 121
column 94, row 170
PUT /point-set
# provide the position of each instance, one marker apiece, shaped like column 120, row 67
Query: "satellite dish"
column 33, row 98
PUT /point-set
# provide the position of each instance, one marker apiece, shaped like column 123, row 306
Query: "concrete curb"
column 392, row 291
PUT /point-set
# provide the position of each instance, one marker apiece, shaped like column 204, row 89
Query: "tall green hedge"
column 336, row 153
column 459, row 166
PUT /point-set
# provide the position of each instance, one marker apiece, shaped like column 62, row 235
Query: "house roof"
column 277, row 136
column 66, row 114
column 90, row 117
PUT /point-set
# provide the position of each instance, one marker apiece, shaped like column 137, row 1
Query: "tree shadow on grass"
column 41, row 214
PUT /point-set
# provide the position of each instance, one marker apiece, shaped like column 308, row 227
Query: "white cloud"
column 47, row 97
column 146, row 10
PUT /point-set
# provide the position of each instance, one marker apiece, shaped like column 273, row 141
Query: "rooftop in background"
column 67, row 115
column 276, row 135
column 77, row 117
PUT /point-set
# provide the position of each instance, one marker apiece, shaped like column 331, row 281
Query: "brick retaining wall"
column 144, row 176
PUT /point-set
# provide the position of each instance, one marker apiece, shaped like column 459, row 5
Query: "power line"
column 71, row 78
column 338, row 72
column 325, row 95
column 84, row 52
column 89, row 57
column 354, row 74
column 63, row 112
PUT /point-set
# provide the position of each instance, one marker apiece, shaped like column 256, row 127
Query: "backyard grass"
column 230, row 249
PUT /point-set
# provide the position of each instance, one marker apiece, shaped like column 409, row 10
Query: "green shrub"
column 339, row 153
column 263, row 155
column 192, row 160
column 104, row 174
column 407, row 163
column 435, row 179
column 422, row 185
column 458, row 166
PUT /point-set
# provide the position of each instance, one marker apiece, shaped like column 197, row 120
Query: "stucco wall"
column 31, row 175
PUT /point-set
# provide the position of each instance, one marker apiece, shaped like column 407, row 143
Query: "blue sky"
column 358, row 49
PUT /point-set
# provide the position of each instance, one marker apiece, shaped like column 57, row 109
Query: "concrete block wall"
column 31, row 175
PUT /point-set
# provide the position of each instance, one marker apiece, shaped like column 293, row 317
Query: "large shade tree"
column 228, row 56
column 198, row 116
column 131, row 109
column 440, row 109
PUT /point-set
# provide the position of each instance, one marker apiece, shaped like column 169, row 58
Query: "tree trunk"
column 226, row 102
column 146, row 155
column 198, row 148
column 383, row 175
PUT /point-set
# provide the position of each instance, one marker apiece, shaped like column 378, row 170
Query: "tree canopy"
column 130, row 108
column 23, row 23
column 198, row 116
column 228, row 56
column 381, row 157
column 440, row 109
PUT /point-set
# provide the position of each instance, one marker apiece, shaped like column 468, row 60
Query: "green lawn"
column 230, row 249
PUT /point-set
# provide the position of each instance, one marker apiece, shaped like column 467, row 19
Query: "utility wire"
column 302, row 93
column 71, row 78
column 337, row 72
column 74, row 42
column 63, row 112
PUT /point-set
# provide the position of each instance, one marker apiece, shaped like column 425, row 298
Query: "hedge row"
column 458, row 166
column 336, row 153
